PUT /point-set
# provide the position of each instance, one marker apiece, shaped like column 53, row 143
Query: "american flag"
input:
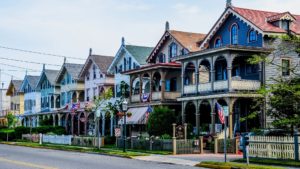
column 149, row 110
column 220, row 113
column 75, row 106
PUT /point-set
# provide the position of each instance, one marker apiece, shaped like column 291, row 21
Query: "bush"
column 165, row 137
column 17, row 134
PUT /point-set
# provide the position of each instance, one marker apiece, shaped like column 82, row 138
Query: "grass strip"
column 106, row 151
column 291, row 163
column 229, row 165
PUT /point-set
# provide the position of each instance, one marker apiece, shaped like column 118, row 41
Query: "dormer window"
column 173, row 50
column 218, row 43
column 252, row 36
column 234, row 34
column 162, row 58
column 88, row 76
column 94, row 72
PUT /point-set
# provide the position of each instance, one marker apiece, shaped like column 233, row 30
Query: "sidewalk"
column 188, row 160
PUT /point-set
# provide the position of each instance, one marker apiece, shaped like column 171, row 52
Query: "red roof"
column 259, row 18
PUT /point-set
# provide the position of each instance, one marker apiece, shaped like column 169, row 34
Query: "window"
column 134, row 66
column 172, row 50
column 101, row 76
column 94, row 72
column 252, row 36
column 162, row 58
column 129, row 64
column 95, row 92
column 285, row 67
column 218, row 43
column 251, row 69
column 234, row 34
column 120, row 69
column 116, row 69
column 87, row 94
column 124, row 64
column 184, row 52
column 88, row 76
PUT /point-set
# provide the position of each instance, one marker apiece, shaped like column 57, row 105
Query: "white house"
column 127, row 58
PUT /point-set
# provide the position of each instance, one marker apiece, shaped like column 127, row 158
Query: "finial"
column 167, row 26
column 26, row 72
column 65, row 59
column 228, row 3
column 44, row 67
column 91, row 51
column 12, row 77
column 123, row 41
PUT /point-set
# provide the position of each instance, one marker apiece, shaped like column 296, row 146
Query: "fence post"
column 41, row 138
column 216, row 144
column 236, row 147
column 201, row 144
column 174, row 146
column 296, row 143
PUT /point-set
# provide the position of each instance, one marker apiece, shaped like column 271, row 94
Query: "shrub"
column 109, row 140
column 165, row 137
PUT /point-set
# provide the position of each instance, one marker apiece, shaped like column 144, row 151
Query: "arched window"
column 252, row 36
column 94, row 72
column 173, row 50
column 162, row 58
column 234, row 34
column 218, row 43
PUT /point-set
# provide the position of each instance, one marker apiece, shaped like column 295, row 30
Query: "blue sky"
column 71, row 27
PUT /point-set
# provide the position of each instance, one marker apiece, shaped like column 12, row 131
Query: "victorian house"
column 71, row 94
column 32, row 100
column 158, row 82
column 220, row 72
column 127, row 58
column 16, row 97
column 96, row 81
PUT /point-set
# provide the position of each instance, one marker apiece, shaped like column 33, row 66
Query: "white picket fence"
column 57, row 139
column 281, row 147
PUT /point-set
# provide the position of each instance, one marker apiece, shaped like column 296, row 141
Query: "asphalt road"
column 15, row 157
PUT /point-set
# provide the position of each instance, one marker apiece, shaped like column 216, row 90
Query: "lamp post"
column 124, row 109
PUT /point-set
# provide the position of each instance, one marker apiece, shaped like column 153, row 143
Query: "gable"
column 243, row 29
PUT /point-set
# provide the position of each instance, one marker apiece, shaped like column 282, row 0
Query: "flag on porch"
column 220, row 113
column 149, row 110
column 75, row 106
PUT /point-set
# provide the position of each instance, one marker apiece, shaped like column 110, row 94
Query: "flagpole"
column 225, row 148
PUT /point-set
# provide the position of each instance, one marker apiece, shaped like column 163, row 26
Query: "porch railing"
column 135, row 98
column 190, row 89
column 245, row 84
column 204, row 87
column 172, row 95
column 221, row 85
column 156, row 95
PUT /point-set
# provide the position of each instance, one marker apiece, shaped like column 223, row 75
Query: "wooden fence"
column 281, row 147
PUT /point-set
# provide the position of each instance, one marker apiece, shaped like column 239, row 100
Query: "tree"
column 11, row 120
column 160, row 121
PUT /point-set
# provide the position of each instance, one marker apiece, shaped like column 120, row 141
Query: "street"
column 15, row 157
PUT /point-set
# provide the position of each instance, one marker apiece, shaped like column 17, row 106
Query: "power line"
column 24, row 61
column 10, row 75
column 13, row 70
column 19, row 67
column 39, row 53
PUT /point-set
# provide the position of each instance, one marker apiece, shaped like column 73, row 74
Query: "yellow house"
column 17, row 97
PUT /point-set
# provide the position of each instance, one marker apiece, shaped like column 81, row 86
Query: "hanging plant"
column 120, row 114
column 129, row 114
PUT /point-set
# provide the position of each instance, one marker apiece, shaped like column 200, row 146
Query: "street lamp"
column 124, row 109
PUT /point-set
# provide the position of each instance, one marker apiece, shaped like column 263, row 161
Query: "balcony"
column 204, row 87
column 221, row 85
column 189, row 89
column 156, row 95
column 135, row 98
column 245, row 84
column 172, row 95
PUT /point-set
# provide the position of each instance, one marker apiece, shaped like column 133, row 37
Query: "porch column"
column 130, row 88
column 212, row 74
column 197, row 77
column 77, row 96
column 260, row 72
column 72, row 124
column 230, row 124
column 163, row 85
column 182, row 112
column 54, row 119
column 78, row 125
column 111, row 124
column 59, row 120
column 103, row 124
column 197, row 118
column 151, row 79
column 182, row 79
column 54, row 102
column 213, row 116
column 229, row 78
column 38, row 121
column 141, row 87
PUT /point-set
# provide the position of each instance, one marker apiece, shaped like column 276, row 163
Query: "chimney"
column 90, row 54
column 44, row 67
column 167, row 28
column 65, row 60
column 228, row 3
column 123, row 41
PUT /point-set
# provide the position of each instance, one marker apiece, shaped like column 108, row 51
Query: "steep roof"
column 32, row 80
column 103, row 63
column 188, row 40
column 14, row 84
column 73, row 69
column 51, row 75
column 140, row 53
column 260, row 19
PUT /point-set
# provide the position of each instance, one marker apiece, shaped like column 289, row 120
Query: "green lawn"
column 107, row 151
column 229, row 165
column 280, row 162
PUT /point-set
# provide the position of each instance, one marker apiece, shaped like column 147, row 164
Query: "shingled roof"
column 14, row 84
column 103, row 63
column 188, row 40
column 51, row 75
column 140, row 53
column 32, row 80
column 261, row 18
column 72, row 68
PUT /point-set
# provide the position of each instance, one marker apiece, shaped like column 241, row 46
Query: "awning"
column 138, row 116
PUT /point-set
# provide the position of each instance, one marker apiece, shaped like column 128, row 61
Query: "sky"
column 71, row 27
